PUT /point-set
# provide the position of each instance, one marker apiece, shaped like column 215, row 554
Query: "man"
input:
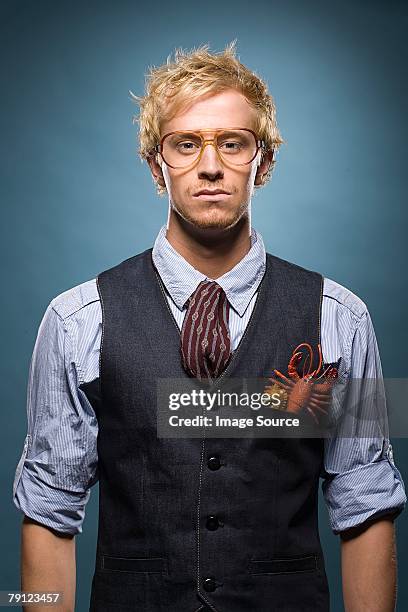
column 199, row 524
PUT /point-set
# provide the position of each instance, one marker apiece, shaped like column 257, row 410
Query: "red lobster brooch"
column 311, row 389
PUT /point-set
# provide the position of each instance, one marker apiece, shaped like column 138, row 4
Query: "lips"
column 211, row 192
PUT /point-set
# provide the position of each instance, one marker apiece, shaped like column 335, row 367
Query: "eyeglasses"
column 181, row 149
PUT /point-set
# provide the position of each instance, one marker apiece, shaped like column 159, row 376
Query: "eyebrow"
column 205, row 130
column 186, row 132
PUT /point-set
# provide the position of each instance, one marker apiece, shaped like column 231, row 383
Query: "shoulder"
column 79, row 313
column 343, row 314
column 340, row 298
column 77, row 301
column 83, row 299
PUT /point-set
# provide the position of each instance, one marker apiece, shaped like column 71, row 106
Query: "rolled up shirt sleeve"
column 58, row 464
column 360, row 479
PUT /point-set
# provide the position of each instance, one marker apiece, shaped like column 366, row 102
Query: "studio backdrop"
column 76, row 198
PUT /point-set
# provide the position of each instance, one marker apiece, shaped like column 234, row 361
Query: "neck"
column 212, row 251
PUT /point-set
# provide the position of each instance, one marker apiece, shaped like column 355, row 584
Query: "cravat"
column 205, row 339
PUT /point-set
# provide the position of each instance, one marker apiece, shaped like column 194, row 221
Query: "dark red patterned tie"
column 205, row 339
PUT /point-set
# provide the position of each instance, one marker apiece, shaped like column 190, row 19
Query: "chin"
column 212, row 221
column 216, row 219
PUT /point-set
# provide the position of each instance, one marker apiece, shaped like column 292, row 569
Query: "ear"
column 263, row 167
column 156, row 170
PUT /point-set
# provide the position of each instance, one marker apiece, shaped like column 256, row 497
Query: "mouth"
column 211, row 194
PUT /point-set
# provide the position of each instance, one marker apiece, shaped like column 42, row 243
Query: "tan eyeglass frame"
column 204, row 142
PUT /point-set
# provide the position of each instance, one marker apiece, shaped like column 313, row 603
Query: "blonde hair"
column 173, row 87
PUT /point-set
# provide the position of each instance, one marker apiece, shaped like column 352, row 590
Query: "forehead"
column 226, row 109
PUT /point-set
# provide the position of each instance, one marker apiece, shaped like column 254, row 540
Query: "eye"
column 231, row 146
column 186, row 145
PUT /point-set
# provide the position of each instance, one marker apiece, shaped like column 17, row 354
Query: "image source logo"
column 295, row 403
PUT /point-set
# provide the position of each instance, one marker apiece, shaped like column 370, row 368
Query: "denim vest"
column 200, row 524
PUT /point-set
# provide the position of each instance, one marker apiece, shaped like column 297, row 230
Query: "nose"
column 210, row 165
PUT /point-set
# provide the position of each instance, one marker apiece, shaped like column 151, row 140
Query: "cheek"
column 246, row 181
column 174, row 183
column 247, row 175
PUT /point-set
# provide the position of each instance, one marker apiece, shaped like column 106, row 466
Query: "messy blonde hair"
column 174, row 86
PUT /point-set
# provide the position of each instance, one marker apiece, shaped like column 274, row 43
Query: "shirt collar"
column 181, row 278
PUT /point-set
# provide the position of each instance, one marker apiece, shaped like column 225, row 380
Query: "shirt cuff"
column 61, row 510
column 368, row 491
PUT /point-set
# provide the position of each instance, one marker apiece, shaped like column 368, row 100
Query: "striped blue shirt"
column 59, row 462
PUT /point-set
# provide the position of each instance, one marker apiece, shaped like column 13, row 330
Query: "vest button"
column 209, row 585
column 214, row 463
column 212, row 523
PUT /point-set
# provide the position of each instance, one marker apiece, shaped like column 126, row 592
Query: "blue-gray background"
column 75, row 198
